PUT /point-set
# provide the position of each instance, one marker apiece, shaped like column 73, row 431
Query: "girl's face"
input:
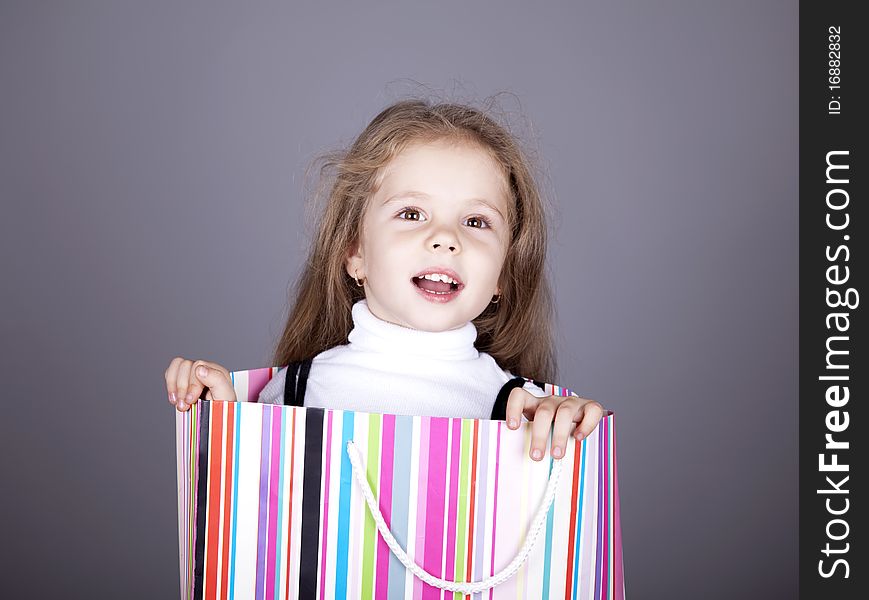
column 441, row 209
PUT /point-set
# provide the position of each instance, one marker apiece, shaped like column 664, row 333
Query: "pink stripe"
column 422, row 478
column 607, row 515
column 256, row 381
column 454, row 494
column 274, row 478
column 185, row 517
column 192, row 497
column 386, row 465
column 185, row 493
column 434, row 521
column 619, row 575
column 325, row 501
column 495, row 502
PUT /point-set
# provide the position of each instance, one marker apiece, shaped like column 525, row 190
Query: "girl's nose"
column 444, row 238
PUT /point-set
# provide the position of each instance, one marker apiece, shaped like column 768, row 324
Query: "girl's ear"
column 353, row 261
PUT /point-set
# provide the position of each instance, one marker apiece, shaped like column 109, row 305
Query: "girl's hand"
column 564, row 410
column 185, row 380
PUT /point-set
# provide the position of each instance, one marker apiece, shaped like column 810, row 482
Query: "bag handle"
column 444, row 584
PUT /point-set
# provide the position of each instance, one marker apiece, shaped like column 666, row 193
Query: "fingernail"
column 202, row 371
column 189, row 397
column 172, row 399
column 536, row 454
column 556, row 452
column 579, row 437
column 513, row 424
column 181, row 406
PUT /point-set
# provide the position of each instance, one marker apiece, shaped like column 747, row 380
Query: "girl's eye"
column 411, row 212
column 482, row 222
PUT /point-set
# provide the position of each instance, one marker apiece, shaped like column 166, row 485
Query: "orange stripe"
column 290, row 513
column 473, row 503
column 213, row 525
column 227, row 498
column 571, row 531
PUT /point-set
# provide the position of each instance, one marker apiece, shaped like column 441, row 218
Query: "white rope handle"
column 455, row 586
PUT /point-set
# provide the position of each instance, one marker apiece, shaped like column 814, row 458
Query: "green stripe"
column 462, row 532
column 372, row 469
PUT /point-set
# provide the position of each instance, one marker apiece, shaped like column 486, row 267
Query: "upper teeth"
column 439, row 277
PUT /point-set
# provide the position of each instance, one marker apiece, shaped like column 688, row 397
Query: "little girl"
column 425, row 289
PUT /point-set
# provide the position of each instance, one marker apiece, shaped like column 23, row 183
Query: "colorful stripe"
column 399, row 520
column 372, row 461
column 579, row 471
column 292, row 501
column 482, row 523
column 234, row 510
column 263, row 494
column 344, row 508
column 437, row 494
column 281, row 504
column 494, row 514
column 464, row 532
column 472, row 507
column 227, row 495
column 453, row 500
column 422, row 498
column 387, row 464
column 268, row 506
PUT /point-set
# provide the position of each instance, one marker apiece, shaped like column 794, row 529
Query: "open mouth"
column 435, row 287
column 438, row 282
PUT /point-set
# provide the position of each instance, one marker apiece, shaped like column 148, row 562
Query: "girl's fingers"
column 195, row 386
column 541, row 425
column 171, row 376
column 518, row 402
column 215, row 378
column 212, row 378
column 184, row 386
column 592, row 412
column 182, row 383
column 213, row 365
column 564, row 419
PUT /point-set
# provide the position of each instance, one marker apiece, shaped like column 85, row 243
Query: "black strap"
column 290, row 384
column 499, row 410
column 302, row 384
column 294, row 389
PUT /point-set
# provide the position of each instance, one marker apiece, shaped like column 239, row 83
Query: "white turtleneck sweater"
column 387, row 368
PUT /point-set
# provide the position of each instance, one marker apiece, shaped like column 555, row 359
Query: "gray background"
column 151, row 171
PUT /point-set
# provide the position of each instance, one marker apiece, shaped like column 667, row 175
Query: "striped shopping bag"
column 289, row 502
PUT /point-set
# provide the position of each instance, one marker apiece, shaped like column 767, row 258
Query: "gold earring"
column 356, row 277
column 498, row 296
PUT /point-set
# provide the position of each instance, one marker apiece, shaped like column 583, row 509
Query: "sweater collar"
column 371, row 334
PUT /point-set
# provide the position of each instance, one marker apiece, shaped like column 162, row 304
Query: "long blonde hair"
column 516, row 331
